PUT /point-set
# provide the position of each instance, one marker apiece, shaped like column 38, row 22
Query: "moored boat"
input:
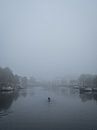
column 9, row 88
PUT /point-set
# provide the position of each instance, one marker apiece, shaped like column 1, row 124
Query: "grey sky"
column 48, row 38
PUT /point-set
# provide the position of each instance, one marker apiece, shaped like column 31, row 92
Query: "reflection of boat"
column 85, row 90
column 94, row 89
column 85, row 96
column 9, row 88
column 88, row 89
column 76, row 87
column 4, row 113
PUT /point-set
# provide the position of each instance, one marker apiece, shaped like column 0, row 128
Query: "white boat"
column 9, row 88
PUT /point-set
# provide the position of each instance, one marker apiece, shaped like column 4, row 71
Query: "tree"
column 95, row 81
column 6, row 76
column 87, row 80
column 17, row 79
column 24, row 81
column 32, row 80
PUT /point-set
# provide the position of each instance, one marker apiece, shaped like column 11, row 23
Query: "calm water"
column 29, row 109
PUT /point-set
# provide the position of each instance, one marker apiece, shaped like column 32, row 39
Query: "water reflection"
column 33, row 111
column 6, row 100
column 86, row 96
column 23, row 92
column 71, row 92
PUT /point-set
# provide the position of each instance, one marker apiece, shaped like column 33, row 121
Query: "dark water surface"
column 29, row 109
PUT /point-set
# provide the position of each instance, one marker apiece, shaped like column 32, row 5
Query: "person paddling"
column 49, row 99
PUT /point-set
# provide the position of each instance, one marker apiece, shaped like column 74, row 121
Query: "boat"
column 9, row 88
column 94, row 89
column 85, row 89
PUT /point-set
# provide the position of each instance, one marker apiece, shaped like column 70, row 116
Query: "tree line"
column 88, row 80
column 7, row 78
column 85, row 81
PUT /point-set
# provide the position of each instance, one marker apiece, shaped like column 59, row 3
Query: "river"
column 29, row 109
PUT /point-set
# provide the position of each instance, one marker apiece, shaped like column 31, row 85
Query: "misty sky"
column 48, row 38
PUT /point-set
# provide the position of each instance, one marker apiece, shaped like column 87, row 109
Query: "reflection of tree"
column 64, row 91
column 23, row 92
column 85, row 96
column 95, row 96
column 6, row 100
column 74, row 91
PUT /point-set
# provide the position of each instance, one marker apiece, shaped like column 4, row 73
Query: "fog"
column 48, row 38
